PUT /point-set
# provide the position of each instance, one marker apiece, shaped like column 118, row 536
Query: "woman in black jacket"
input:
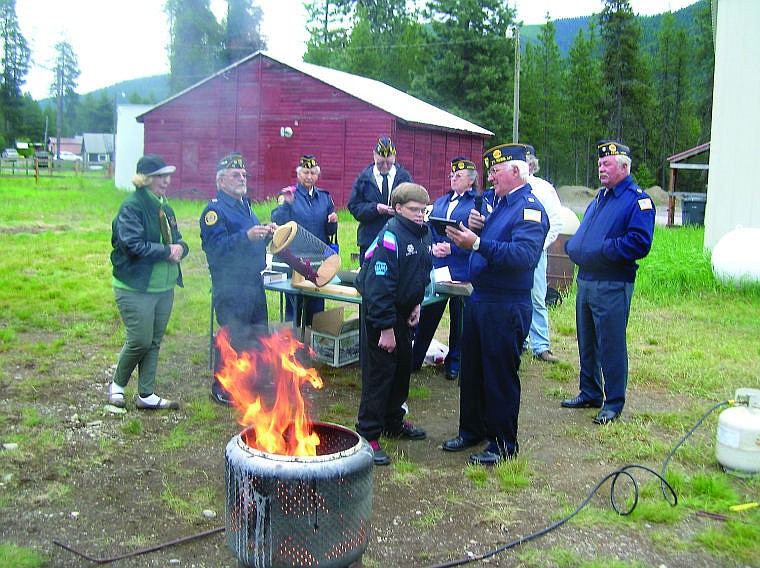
column 147, row 249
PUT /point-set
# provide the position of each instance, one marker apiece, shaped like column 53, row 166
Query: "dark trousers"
column 243, row 311
column 311, row 306
column 430, row 317
column 490, row 385
column 601, row 314
column 385, row 380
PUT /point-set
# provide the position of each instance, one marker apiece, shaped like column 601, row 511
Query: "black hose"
column 624, row 471
column 686, row 437
column 667, row 491
column 138, row 552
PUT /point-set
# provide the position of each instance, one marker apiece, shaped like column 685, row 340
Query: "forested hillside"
column 644, row 80
column 647, row 81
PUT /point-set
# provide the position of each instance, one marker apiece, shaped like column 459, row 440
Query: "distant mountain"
column 567, row 28
column 147, row 90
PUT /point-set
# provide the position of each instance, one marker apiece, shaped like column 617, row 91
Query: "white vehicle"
column 70, row 156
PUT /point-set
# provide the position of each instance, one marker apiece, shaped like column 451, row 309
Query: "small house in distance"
column 273, row 112
column 97, row 148
column 73, row 145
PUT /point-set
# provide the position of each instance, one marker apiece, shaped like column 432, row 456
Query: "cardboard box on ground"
column 335, row 338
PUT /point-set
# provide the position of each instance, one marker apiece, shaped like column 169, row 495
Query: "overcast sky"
column 116, row 40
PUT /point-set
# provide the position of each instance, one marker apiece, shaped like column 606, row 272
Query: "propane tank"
column 738, row 439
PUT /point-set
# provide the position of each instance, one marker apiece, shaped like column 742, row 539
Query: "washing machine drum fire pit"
column 287, row 511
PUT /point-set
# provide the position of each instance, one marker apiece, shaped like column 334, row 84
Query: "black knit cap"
column 153, row 165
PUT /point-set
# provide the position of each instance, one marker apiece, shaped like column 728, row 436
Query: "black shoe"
column 580, row 402
column 489, row 458
column 452, row 375
column 406, row 432
column 458, row 444
column 380, row 457
column 606, row 416
column 220, row 395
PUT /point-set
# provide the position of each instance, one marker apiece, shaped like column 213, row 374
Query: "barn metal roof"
column 387, row 98
column 393, row 101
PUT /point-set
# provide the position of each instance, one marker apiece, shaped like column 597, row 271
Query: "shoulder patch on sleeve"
column 645, row 203
column 533, row 215
column 210, row 218
column 389, row 241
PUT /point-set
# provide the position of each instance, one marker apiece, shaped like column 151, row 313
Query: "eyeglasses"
column 417, row 210
column 234, row 175
column 492, row 171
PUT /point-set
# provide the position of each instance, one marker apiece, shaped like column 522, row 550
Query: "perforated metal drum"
column 286, row 511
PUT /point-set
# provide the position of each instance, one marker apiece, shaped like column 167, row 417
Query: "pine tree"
column 679, row 127
column 630, row 102
column 15, row 65
column 583, row 95
column 196, row 42
column 242, row 30
column 541, row 86
column 471, row 70
column 64, row 87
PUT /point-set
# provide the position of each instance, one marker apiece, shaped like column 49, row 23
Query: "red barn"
column 273, row 112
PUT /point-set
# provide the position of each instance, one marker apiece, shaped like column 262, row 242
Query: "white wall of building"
column 129, row 143
column 733, row 190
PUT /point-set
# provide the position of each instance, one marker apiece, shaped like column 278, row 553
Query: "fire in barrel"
column 299, row 493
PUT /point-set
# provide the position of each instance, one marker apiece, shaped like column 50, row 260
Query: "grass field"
column 693, row 342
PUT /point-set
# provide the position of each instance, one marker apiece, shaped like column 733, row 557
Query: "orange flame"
column 285, row 428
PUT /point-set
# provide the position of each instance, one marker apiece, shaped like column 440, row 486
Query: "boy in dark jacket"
column 392, row 281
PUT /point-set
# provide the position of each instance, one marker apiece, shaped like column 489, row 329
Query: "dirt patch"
column 112, row 483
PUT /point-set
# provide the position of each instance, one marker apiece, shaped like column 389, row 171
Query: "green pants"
column 145, row 316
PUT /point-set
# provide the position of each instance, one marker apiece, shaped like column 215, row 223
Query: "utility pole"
column 59, row 107
column 514, row 31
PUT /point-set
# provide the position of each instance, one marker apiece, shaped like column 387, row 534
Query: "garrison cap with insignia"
column 308, row 161
column 461, row 163
column 385, row 147
column 232, row 161
column 504, row 153
column 612, row 148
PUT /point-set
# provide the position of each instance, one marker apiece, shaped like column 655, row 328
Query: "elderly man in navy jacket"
column 370, row 198
column 497, row 315
column 235, row 245
column 616, row 231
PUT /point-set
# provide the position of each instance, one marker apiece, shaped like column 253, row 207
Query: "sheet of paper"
column 442, row 274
